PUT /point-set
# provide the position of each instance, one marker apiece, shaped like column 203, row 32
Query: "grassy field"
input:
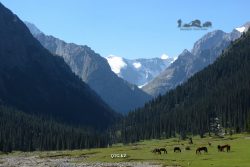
column 239, row 156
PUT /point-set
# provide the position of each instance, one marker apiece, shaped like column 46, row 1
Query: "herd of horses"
column 199, row 150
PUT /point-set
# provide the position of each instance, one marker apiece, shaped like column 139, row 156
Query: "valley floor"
column 140, row 155
column 31, row 161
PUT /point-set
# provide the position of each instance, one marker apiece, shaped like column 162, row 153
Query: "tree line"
column 24, row 132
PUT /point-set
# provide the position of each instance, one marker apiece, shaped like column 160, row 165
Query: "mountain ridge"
column 204, row 52
column 35, row 81
column 219, row 92
column 96, row 72
column 138, row 71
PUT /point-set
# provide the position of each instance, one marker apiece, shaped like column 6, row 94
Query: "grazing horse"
column 221, row 148
column 164, row 150
column 157, row 150
column 198, row 150
column 218, row 148
column 177, row 149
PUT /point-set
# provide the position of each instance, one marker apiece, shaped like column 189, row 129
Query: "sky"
column 130, row 28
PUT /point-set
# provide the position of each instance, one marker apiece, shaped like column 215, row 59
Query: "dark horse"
column 164, row 150
column 198, row 150
column 177, row 149
column 221, row 148
column 157, row 150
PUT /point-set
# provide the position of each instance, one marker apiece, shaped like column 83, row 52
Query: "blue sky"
column 130, row 28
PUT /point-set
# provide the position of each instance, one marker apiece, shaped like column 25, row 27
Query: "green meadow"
column 239, row 156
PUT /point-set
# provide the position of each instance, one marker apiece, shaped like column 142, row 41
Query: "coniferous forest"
column 20, row 131
column 220, row 92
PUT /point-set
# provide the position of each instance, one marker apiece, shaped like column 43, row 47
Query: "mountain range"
column 95, row 71
column 37, row 82
column 139, row 71
column 205, row 51
column 218, row 93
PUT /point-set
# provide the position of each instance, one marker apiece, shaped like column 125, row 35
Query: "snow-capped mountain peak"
column 137, row 64
column 164, row 56
column 241, row 29
column 138, row 71
column 174, row 58
column 116, row 63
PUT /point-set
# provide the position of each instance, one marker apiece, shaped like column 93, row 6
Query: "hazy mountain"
column 205, row 51
column 138, row 71
column 35, row 81
column 96, row 72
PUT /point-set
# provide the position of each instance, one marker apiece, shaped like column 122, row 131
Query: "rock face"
column 204, row 52
column 35, row 81
column 138, row 71
column 96, row 72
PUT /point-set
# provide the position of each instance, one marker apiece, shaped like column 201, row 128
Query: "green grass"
column 141, row 152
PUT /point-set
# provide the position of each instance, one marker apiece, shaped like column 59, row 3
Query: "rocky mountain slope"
column 35, row 81
column 95, row 71
column 138, row 71
column 205, row 51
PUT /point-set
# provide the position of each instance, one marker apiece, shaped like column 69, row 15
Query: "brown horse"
column 164, row 150
column 198, row 150
column 157, row 150
column 221, row 148
column 177, row 149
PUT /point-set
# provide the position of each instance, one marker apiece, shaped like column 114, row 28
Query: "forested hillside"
column 20, row 131
column 219, row 92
